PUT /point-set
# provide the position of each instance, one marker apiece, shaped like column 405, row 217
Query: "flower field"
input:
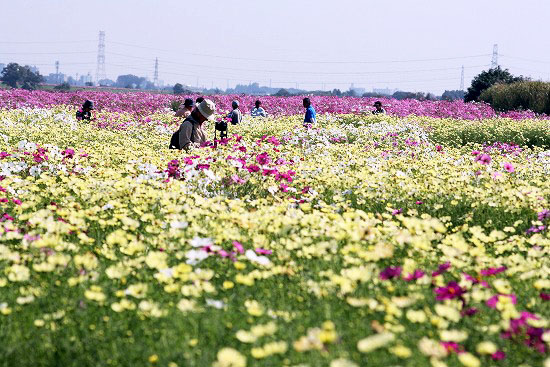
column 414, row 239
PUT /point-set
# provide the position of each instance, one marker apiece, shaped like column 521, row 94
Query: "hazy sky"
column 306, row 43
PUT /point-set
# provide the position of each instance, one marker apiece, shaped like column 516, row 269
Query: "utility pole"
column 57, row 71
column 494, row 60
column 156, row 75
column 462, row 79
column 100, row 71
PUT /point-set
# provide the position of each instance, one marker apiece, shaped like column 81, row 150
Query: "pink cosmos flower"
column 451, row 291
column 498, row 355
column 397, row 211
column 4, row 155
column 475, row 152
column 263, row 158
column 238, row 246
column 253, row 168
column 543, row 215
column 545, row 296
column 508, row 167
column 484, row 159
column 390, row 272
column 262, row 251
column 452, row 347
column 441, row 269
column 16, row 201
column 417, row 274
column 419, row 202
column 493, row 271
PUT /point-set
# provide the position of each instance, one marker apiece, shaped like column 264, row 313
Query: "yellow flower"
column 341, row 362
column 19, row 273
column 468, row 360
column 153, row 358
column 486, row 348
column 375, row 341
column 229, row 357
column 401, row 351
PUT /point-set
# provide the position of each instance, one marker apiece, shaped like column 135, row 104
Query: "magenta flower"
column 545, row 296
column 493, row 271
column 419, row 202
column 4, row 155
column 498, row 355
column 238, row 246
column 508, row 167
column 475, row 152
column 451, row 291
column 262, row 251
column 397, row 211
column 452, row 347
column 484, row 159
column 543, row 215
column 390, row 272
column 263, row 158
column 417, row 274
column 442, row 269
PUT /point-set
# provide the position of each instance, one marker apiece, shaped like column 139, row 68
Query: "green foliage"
column 15, row 75
column 534, row 96
column 452, row 95
column 531, row 133
column 487, row 79
column 63, row 87
column 175, row 105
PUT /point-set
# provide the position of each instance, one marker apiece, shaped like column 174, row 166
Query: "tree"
column 178, row 88
column 453, row 95
column 282, row 93
column 129, row 81
column 487, row 79
column 15, row 74
column 336, row 92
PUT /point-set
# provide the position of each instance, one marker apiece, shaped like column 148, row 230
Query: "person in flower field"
column 236, row 115
column 85, row 113
column 187, row 108
column 379, row 110
column 258, row 110
column 311, row 116
column 191, row 132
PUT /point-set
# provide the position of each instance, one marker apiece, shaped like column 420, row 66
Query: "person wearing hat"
column 379, row 110
column 191, row 132
column 236, row 115
column 85, row 113
column 187, row 108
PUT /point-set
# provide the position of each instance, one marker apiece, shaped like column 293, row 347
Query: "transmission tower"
column 462, row 79
column 494, row 61
column 100, row 72
column 156, row 75
column 57, row 71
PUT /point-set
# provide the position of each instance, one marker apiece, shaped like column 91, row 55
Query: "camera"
column 221, row 126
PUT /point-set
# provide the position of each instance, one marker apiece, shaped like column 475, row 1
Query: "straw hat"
column 207, row 108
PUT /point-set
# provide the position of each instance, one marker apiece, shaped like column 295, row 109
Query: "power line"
column 47, row 53
column 42, row 42
column 299, row 61
column 296, row 72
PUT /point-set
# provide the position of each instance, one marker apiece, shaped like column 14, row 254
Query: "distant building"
column 54, row 78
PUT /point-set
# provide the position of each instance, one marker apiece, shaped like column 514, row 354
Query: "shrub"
column 534, row 96
column 175, row 105
column 63, row 86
